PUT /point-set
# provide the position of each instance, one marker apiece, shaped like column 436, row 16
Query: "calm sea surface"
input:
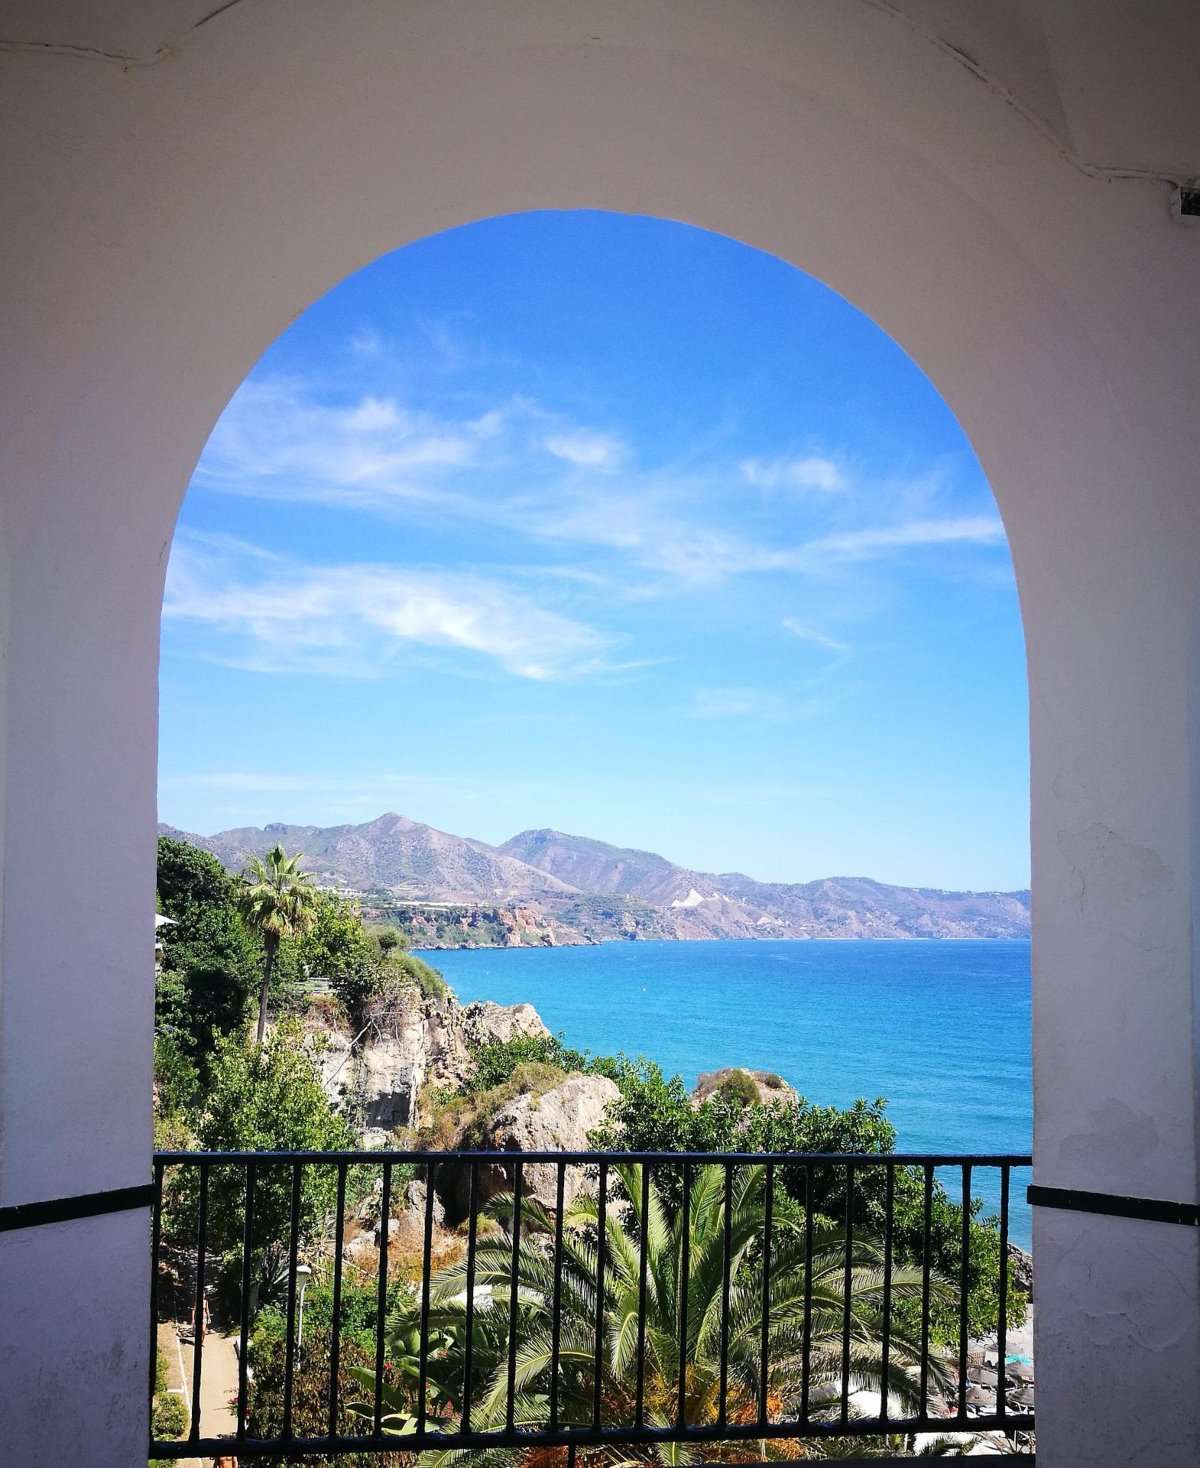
column 942, row 1029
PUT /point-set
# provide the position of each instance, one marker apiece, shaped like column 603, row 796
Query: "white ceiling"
column 1115, row 82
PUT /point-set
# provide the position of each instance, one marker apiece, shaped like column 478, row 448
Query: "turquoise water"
column 942, row 1029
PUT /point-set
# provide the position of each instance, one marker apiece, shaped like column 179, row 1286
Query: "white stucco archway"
column 171, row 209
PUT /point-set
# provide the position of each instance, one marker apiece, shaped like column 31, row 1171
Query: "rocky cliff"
column 413, row 1042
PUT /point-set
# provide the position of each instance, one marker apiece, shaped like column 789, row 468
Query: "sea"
column 941, row 1029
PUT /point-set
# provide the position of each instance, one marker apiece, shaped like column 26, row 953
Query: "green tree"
column 338, row 947
column 262, row 1098
column 387, row 938
column 278, row 901
column 189, row 878
column 209, row 962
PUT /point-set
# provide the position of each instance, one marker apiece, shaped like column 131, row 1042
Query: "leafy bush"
column 416, row 973
column 169, row 1418
column 264, row 1098
column 738, row 1088
column 496, row 1060
column 310, row 1387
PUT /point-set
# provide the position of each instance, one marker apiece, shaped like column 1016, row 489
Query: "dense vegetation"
column 230, row 938
column 655, row 1113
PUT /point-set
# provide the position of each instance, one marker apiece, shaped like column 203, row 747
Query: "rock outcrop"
column 412, row 1041
column 554, row 1120
column 768, row 1087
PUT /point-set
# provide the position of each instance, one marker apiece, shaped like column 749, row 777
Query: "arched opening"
column 646, row 537
column 171, row 217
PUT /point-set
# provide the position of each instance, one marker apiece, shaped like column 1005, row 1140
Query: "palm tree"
column 277, row 900
column 795, row 1276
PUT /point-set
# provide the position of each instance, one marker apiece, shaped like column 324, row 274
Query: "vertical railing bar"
column 925, row 1250
column 381, row 1298
column 469, row 1343
column 514, row 1296
column 847, row 1292
column 726, row 1260
column 765, row 1342
column 335, row 1336
column 289, row 1363
column 556, row 1308
column 423, row 1358
column 198, row 1319
column 886, row 1346
column 601, row 1245
column 155, row 1248
column 244, row 1311
column 806, row 1359
column 964, row 1290
column 639, row 1407
column 685, row 1260
column 1002, row 1323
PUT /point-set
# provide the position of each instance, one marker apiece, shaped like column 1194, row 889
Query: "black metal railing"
column 515, row 1300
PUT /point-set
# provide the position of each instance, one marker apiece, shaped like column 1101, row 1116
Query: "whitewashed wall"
column 164, row 222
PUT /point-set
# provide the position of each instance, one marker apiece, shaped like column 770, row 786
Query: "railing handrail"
column 945, row 1396
column 904, row 1159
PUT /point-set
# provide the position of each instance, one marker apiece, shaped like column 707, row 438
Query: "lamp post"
column 303, row 1275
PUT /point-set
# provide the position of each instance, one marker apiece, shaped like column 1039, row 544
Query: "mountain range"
column 584, row 890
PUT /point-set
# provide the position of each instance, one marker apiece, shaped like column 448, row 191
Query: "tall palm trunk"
column 270, row 943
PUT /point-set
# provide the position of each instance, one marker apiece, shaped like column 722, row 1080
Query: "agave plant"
column 804, row 1296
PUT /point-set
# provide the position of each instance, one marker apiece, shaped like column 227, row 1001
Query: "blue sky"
column 612, row 525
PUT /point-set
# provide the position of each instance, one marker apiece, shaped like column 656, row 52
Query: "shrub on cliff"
column 497, row 1060
column 261, row 1098
column 460, row 1120
column 738, row 1087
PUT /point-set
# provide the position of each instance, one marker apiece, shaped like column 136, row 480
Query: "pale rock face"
column 1020, row 1269
column 379, row 1075
column 558, row 1120
column 502, row 1021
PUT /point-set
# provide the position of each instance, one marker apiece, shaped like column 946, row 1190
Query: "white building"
column 996, row 184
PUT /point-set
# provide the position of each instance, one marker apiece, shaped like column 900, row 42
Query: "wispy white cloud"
column 817, row 639
column 539, row 478
column 586, row 449
column 354, row 619
column 274, row 440
column 865, row 544
column 811, row 472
